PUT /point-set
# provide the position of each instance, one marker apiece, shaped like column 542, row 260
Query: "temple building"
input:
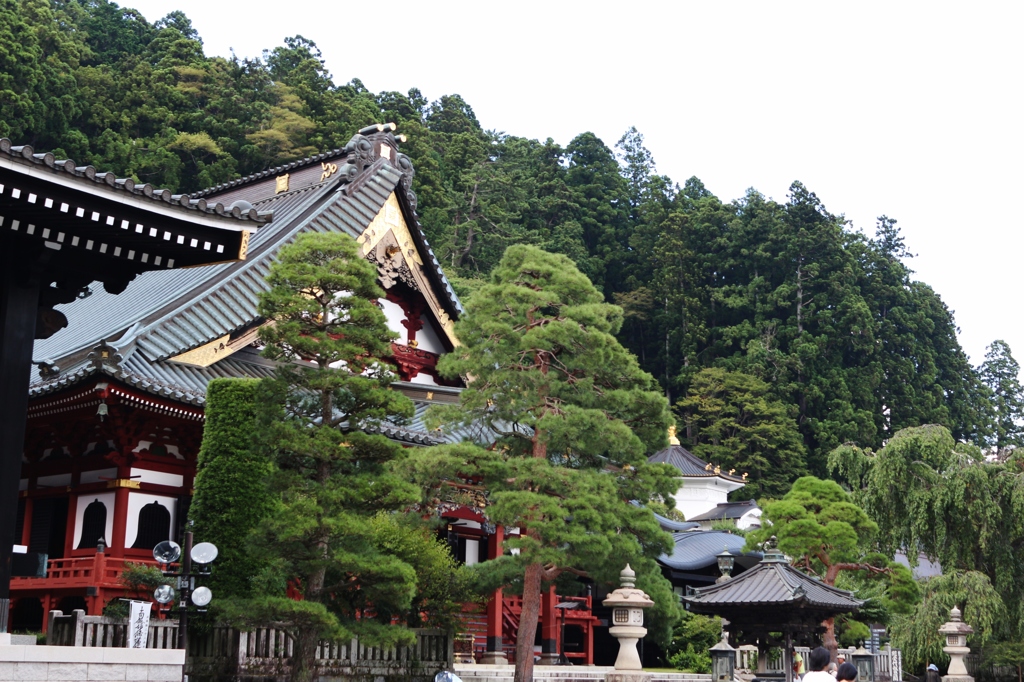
column 703, row 495
column 116, row 398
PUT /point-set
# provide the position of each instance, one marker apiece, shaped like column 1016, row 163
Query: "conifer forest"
column 777, row 330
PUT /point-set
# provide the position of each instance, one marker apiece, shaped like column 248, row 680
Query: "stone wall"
column 66, row 663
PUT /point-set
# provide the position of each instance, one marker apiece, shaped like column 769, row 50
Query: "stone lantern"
column 628, row 604
column 864, row 660
column 955, row 631
column 723, row 661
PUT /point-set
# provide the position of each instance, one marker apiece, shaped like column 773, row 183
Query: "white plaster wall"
column 394, row 314
column 136, row 501
column 472, row 552
column 699, row 495
column 84, row 501
column 54, row 481
column 424, row 378
column 751, row 519
column 97, row 475
column 428, row 337
column 157, row 477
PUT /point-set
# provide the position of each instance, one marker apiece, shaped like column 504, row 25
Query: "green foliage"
column 231, row 497
column 916, row 633
column 330, row 478
column 825, row 533
column 692, row 636
column 576, row 418
column 442, row 584
column 956, row 507
column 139, row 581
column 733, row 420
column 999, row 373
column 727, row 526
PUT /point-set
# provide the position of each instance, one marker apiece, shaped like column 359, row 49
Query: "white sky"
column 912, row 110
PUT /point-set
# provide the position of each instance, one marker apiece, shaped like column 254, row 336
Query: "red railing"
column 91, row 571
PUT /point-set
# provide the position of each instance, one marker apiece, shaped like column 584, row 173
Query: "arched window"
column 94, row 525
column 154, row 526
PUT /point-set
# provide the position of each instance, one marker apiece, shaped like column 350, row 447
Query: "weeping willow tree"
column 929, row 494
column 917, row 633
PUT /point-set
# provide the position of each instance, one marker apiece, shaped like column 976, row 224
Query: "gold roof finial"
column 672, row 440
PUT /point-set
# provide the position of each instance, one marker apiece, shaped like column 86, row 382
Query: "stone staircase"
column 561, row 673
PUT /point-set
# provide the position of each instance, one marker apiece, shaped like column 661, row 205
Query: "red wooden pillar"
column 116, row 544
column 588, row 637
column 549, row 627
column 26, row 526
column 69, row 526
column 494, row 652
column 47, row 604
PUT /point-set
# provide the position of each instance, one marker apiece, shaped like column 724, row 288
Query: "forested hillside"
column 777, row 330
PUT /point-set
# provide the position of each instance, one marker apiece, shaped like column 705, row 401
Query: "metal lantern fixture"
column 726, row 561
column 865, row 662
column 723, row 661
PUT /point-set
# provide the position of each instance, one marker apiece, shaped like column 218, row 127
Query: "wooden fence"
column 78, row 629
column 226, row 653
column 888, row 661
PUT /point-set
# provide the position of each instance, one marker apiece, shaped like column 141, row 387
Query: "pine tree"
column 576, row 418
column 1001, row 374
column 733, row 420
column 331, row 476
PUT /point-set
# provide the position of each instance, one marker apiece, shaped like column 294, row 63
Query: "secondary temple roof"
column 171, row 332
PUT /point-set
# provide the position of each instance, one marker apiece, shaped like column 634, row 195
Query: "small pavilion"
column 772, row 605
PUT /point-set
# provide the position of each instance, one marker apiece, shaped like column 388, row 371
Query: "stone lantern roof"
column 628, row 595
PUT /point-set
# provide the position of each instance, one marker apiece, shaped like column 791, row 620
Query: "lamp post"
column 726, row 561
column 203, row 554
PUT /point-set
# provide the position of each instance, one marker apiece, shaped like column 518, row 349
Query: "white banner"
column 138, row 625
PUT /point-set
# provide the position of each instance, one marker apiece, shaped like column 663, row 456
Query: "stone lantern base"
column 627, row 676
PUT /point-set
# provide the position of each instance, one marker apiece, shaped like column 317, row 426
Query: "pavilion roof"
column 771, row 583
column 690, row 465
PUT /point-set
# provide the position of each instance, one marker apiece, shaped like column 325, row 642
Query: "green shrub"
column 231, row 495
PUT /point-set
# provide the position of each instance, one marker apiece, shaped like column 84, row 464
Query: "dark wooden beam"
column 19, row 300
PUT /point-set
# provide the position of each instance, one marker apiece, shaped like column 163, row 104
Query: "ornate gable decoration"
column 388, row 244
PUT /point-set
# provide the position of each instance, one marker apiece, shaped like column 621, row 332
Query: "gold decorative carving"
column 124, row 483
column 206, row 355
column 282, row 184
column 243, row 249
column 329, row 170
column 390, row 219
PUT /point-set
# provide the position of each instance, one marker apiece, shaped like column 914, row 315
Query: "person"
column 818, row 661
column 833, row 669
column 840, row 658
column 798, row 665
column 932, row 674
column 847, row 672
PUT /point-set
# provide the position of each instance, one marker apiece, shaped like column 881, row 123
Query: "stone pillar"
column 955, row 632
